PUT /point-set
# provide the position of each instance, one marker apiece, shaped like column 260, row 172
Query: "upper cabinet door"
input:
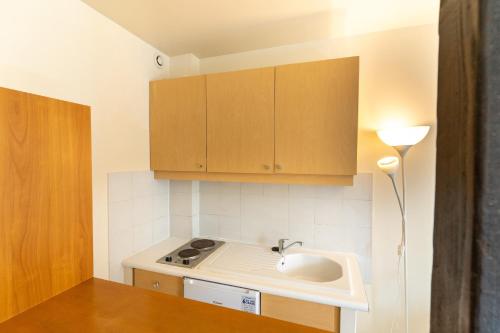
column 316, row 117
column 178, row 124
column 240, row 121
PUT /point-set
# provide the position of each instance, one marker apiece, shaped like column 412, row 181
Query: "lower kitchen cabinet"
column 325, row 317
column 167, row 284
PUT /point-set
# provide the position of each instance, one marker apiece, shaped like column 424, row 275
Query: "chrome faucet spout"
column 282, row 247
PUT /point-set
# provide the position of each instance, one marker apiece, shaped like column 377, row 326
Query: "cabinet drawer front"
column 315, row 315
column 167, row 284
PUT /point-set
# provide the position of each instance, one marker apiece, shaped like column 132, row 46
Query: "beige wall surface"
column 65, row 50
column 398, row 85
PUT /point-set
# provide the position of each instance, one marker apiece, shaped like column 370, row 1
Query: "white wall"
column 398, row 80
column 66, row 50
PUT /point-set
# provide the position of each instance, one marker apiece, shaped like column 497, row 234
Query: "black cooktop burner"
column 189, row 254
column 203, row 244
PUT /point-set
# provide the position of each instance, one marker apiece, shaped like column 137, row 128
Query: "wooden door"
column 240, row 121
column 316, row 117
column 45, row 199
column 178, row 124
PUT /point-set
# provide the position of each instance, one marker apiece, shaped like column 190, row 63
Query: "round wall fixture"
column 159, row 61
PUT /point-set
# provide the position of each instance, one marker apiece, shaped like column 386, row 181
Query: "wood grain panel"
column 98, row 306
column 178, row 124
column 257, row 178
column 316, row 117
column 45, row 199
column 240, row 121
column 167, row 284
column 315, row 315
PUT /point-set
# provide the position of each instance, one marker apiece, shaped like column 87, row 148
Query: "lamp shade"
column 389, row 165
column 405, row 136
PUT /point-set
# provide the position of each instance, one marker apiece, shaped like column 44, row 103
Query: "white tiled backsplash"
column 138, row 215
column 143, row 211
column 325, row 217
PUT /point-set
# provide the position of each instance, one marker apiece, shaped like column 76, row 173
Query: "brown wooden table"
column 103, row 306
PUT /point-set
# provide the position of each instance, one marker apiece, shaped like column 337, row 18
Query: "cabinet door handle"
column 278, row 167
column 200, row 166
column 156, row 285
column 266, row 167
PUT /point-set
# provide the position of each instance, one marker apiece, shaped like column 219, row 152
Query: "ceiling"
column 214, row 27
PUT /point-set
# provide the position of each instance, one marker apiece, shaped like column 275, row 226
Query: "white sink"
column 309, row 267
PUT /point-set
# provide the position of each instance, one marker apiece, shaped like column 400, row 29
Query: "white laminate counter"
column 253, row 267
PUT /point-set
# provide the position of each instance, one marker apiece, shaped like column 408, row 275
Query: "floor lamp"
column 401, row 139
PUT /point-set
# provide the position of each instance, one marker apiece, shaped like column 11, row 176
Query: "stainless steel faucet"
column 281, row 246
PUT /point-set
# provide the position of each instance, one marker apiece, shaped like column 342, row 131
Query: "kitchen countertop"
column 103, row 306
column 253, row 266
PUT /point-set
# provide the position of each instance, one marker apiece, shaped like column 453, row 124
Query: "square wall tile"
column 229, row 227
column 303, row 191
column 181, row 226
column 264, row 208
column 160, row 186
column 161, row 206
column 143, row 237
column 209, row 225
column 209, row 187
column 230, row 188
column 362, row 188
column 328, row 192
column 332, row 238
column 209, row 203
column 142, row 183
column 361, row 238
column 252, row 188
column 328, row 211
column 229, row 204
column 161, row 229
column 180, row 204
column 181, row 186
column 120, row 215
column 119, row 186
column 276, row 190
column 301, row 210
column 357, row 213
column 195, row 186
column 121, row 244
column 195, row 225
column 263, row 231
column 142, row 210
column 302, row 232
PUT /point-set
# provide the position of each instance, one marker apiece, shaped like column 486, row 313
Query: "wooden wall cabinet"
column 167, row 284
column 178, row 124
column 287, row 124
column 317, row 117
column 325, row 317
column 240, row 121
